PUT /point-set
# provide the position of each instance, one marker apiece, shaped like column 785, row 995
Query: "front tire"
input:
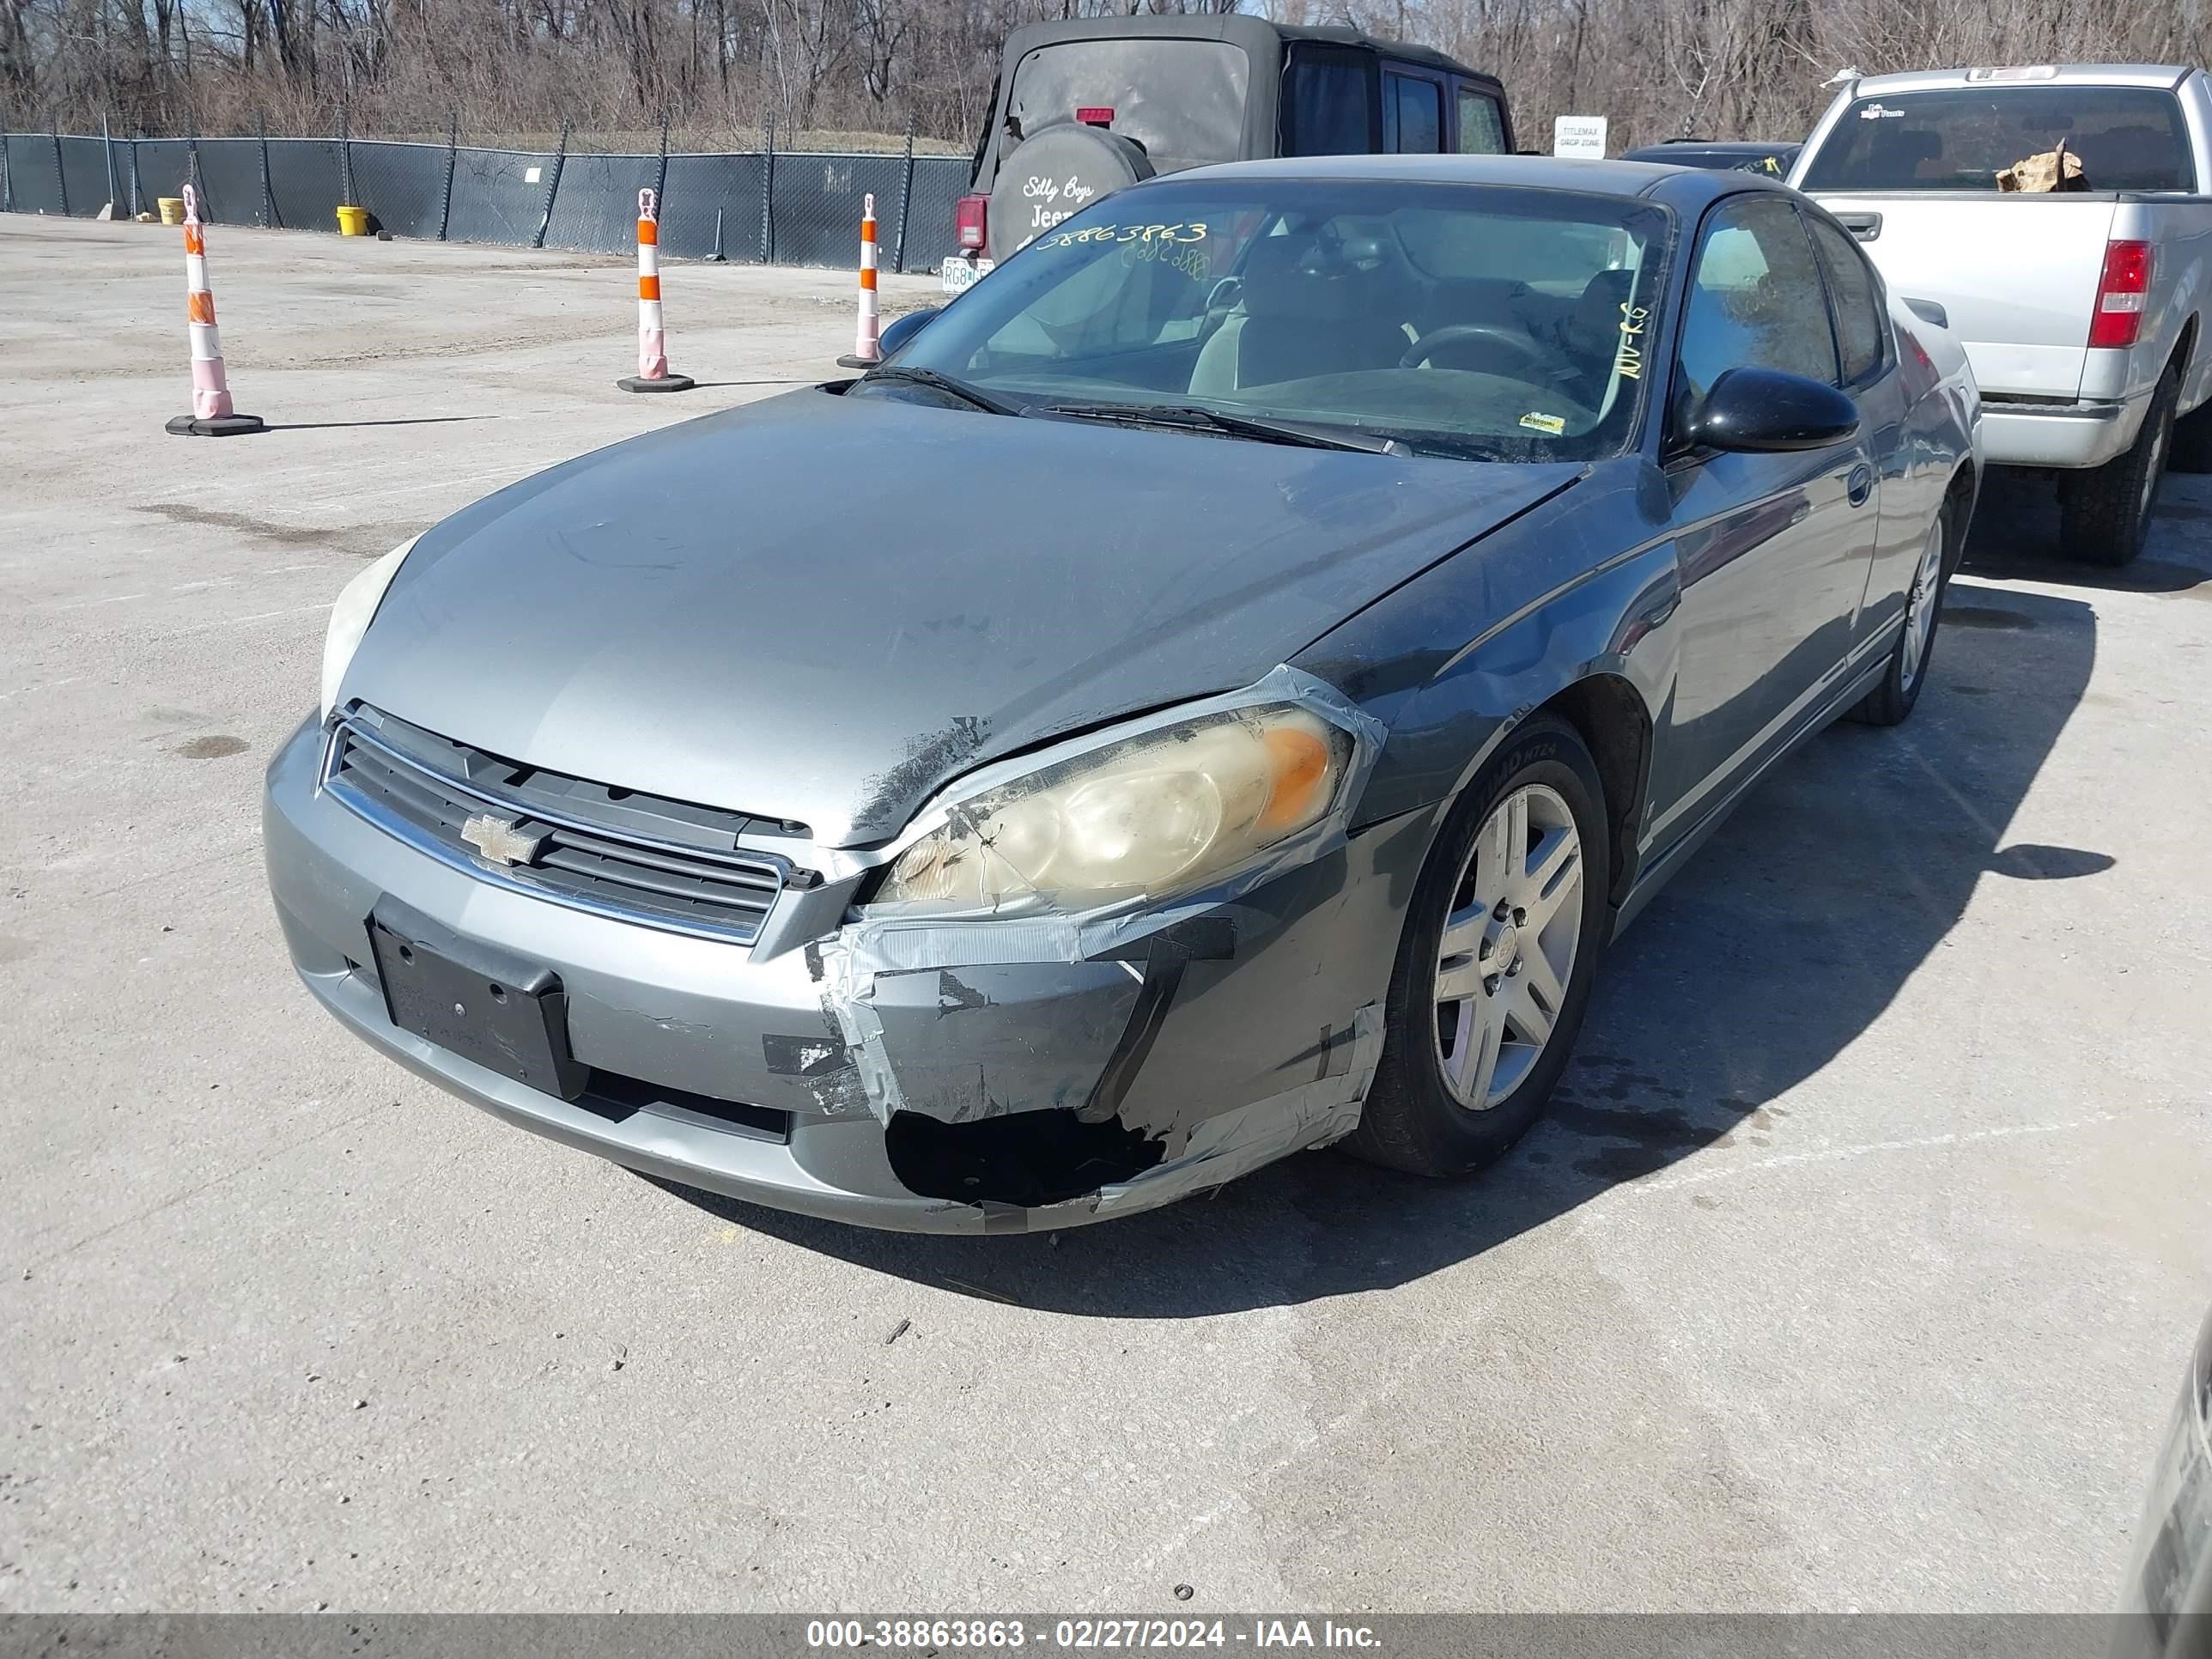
column 2104, row 513
column 1500, row 949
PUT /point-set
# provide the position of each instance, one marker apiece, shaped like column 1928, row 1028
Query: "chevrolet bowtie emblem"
column 499, row 839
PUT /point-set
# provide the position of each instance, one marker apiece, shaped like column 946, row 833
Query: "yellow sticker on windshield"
column 1550, row 425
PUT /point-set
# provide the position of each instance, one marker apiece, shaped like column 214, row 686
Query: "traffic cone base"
column 221, row 426
column 663, row 383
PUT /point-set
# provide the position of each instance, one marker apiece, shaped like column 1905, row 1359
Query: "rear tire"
column 2104, row 513
column 1538, row 811
column 1892, row 701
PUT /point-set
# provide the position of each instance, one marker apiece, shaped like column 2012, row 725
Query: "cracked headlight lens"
column 1147, row 817
column 351, row 616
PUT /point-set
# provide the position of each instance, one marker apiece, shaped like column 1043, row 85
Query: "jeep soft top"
column 1086, row 106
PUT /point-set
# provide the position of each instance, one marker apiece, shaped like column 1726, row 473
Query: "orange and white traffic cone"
column 212, row 416
column 867, row 351
column 653, row 373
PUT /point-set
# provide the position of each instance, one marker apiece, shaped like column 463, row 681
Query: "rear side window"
column 1857, row 299
column 2127, row 137
column 1755, row 299
column 1183, row 100
column 1481, row 128
column 1412, row 115
column 1330, row 107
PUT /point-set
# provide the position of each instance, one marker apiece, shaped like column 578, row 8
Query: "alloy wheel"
column 1509, row 946
column 1920, row 607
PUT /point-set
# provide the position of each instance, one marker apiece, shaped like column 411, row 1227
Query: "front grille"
column 664, row 863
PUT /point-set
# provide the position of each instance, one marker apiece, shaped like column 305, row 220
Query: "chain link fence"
column 792, row 207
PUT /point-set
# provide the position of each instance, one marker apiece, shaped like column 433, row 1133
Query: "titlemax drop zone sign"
column 1579, row 134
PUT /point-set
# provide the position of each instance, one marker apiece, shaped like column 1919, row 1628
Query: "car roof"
column 1710, row 147
column 1345, row 36
column 1688, row 188
column 1233, row 26
column 2164, row 76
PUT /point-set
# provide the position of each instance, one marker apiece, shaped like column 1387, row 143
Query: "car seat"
column 1592, row 332
column 1300, row 316
column 2132, row 158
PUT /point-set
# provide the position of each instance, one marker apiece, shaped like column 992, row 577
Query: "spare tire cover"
column 1051, row 175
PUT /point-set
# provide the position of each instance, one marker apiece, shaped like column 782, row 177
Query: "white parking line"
column 43, row 685
column 1711, row 1170
column 240, row 621
column 387, row 492
column 86, row 605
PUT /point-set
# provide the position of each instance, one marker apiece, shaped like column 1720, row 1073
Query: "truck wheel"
column 1494, row 970
column 2104, row 513
column 2192, row 443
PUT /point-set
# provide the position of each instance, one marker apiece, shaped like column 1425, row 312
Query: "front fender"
column 1585, row 586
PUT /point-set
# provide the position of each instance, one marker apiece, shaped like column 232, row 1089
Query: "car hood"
column 822, row 609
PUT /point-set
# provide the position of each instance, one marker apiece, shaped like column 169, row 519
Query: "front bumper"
column 2066, row 435
column 1249, row 1055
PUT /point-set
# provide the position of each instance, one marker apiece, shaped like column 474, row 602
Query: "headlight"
column 351, row 616
column 1148, row 817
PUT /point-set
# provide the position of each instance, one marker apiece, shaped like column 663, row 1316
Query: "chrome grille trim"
column 699, row 892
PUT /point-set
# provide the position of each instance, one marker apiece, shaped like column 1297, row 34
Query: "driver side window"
column 1755, row 300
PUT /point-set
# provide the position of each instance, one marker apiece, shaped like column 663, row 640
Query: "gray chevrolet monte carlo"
column 1216, row 690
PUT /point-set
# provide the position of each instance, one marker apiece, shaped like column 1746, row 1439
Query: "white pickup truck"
column 2081, row 309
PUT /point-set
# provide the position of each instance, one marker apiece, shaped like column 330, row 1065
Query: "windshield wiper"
column 945, row 383
column 1194, row 417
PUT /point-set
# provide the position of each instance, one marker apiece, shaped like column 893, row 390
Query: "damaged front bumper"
column 901, row 1084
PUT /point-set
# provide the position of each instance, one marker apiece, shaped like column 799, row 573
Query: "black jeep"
column 1085, row 107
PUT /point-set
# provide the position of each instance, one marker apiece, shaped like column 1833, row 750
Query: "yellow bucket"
column 173, row 210
column 353, row 222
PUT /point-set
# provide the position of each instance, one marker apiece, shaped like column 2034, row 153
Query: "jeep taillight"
column 2121, row 293
column 970, row 218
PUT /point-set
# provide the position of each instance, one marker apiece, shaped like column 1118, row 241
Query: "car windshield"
column 1488, row 322
column 2127, row 138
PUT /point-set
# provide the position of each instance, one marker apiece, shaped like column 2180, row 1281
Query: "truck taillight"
column 971, row 217
column 2121, row 293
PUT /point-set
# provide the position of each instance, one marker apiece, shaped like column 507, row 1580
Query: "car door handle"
column 1860, row 484
column 1865, row 226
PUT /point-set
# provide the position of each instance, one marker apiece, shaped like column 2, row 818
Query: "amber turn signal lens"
column 1300, row 761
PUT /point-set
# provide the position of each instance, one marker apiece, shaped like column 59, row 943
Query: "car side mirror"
column 901, row 329
column 1767, row 410
column 1928, row 311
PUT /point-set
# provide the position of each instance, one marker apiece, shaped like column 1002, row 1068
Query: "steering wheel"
column 1541, row 363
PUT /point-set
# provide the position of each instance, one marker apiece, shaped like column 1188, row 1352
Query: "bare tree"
column 1656, row 68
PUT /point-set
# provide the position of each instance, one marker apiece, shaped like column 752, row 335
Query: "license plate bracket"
column 484, row 1003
